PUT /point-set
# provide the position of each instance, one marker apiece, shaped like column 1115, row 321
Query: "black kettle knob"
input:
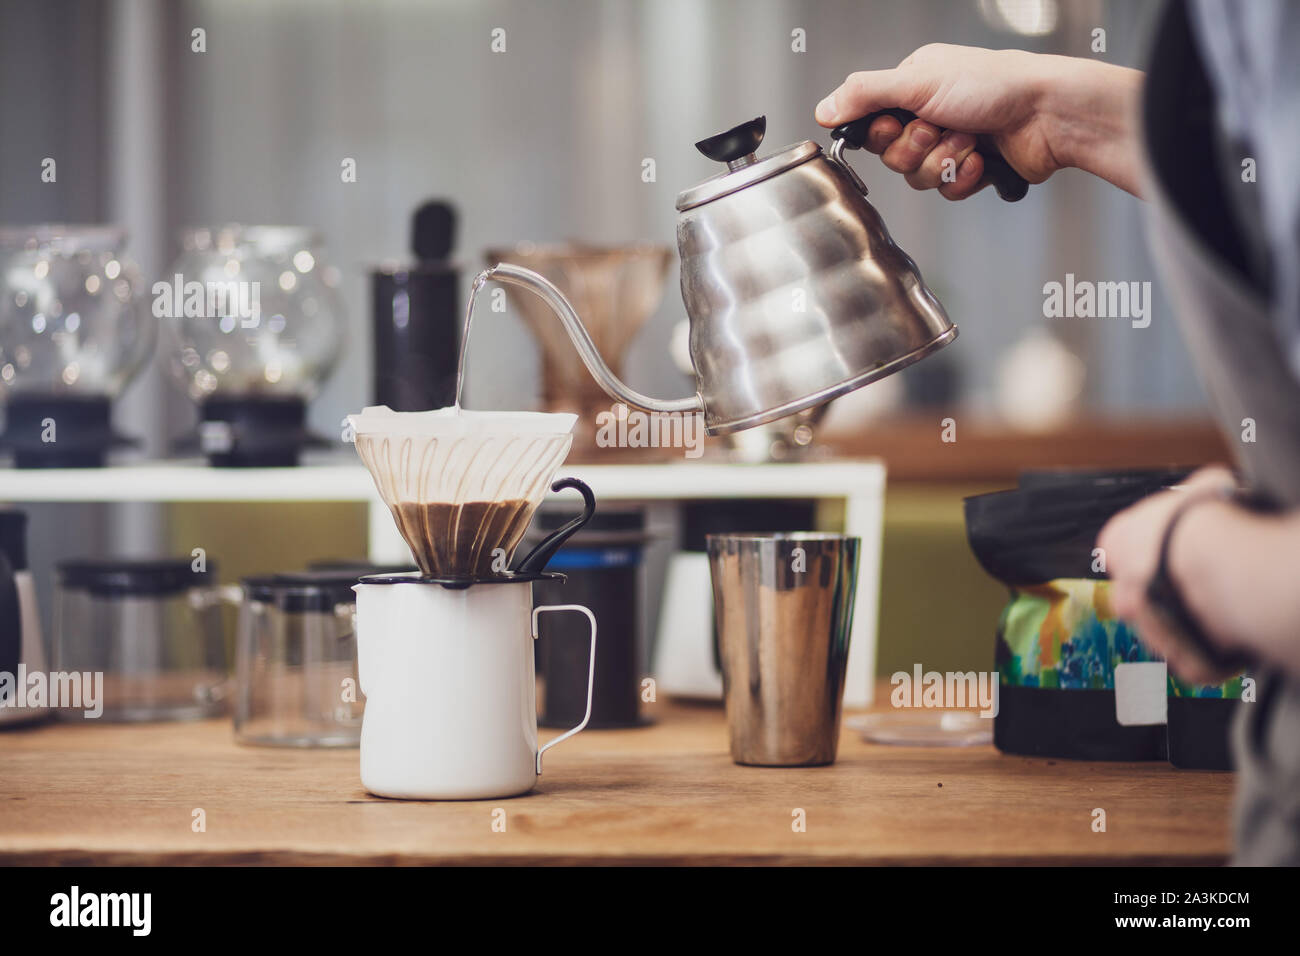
column 736, row 143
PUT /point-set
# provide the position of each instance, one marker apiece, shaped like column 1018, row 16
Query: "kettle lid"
column 736, row 147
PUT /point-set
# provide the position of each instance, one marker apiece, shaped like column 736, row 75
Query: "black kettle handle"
column 1011, row 186
column 536, row 560
column 11, row 624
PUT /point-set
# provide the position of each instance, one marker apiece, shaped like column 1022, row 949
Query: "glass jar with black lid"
column 296, row 660
column 151, row 628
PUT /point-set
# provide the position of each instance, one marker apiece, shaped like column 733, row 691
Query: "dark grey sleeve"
column 1251, row 50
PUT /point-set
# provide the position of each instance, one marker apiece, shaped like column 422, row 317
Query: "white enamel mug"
column 451, row 709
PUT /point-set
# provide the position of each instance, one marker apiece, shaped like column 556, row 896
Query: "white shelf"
column 349, row 481
column 187, row 481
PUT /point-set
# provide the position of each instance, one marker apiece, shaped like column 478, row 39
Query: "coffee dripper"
column 795, row 291
column 445, row 655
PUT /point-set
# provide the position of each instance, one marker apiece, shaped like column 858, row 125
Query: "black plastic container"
column 13, row 559
column 417, row 318
column 1200, row 732
column 59, row 431
column 603, row 566
column 254, row 431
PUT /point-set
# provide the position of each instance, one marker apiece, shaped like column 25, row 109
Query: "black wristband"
column 1165, row 597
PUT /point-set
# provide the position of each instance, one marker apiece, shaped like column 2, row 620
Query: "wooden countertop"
column 667, row 793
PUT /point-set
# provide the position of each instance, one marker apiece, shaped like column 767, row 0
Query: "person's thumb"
column 864, row 93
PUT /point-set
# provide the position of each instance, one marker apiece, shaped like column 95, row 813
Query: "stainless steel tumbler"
column 783, row 605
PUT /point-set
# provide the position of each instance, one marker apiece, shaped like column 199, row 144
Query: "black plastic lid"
column 13, row 538
column 304, row 591
column 131, row 577
column 1047, row 527
column 703, row 517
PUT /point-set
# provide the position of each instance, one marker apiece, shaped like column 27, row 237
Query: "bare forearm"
column 1091, row 116
column 1237, row 573
column 1043, row 113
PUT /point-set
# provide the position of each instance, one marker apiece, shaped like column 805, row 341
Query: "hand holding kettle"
column 1036, row 113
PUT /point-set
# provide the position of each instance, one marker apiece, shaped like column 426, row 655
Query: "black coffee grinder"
column 603, row 567
column 417, row 318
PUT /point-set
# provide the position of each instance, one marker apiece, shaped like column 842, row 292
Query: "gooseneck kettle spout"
column 606, row 379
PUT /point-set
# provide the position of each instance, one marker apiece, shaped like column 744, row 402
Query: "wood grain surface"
column 663, row 794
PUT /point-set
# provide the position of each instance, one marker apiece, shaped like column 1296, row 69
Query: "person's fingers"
column 1112, row 538
column 970, row 179
column 905, row 154
column 1151, row 630
column 941, row 164
column 883, row 131
column 865, row 92
column 1187, row 664
column 1125, row 598
column 1211, row 476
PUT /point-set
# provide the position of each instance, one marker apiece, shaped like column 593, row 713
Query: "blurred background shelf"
column 989, row 451
column 985, row 452
column 855, row 488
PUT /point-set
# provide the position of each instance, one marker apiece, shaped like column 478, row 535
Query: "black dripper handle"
column 1011, row 186
column 736, row 143
column 536, row 560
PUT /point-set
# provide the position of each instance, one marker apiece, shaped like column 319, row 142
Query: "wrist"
column 1201, row 565
column 1090, row 113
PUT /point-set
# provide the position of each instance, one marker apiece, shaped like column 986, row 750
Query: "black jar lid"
column 134, row 576
column 304, row 592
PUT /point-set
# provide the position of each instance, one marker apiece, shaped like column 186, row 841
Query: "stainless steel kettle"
column 796, row 293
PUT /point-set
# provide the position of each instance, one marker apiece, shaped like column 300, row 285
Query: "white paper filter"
column 457, row 457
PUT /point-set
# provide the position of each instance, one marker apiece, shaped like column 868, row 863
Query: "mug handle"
column 591, row 671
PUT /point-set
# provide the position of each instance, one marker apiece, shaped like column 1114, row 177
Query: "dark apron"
column 1204, row 233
